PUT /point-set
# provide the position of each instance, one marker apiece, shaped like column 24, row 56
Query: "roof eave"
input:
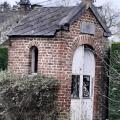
column 31, row 36
column 107, row 34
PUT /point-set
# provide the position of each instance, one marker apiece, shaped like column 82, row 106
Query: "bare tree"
column 111, row 17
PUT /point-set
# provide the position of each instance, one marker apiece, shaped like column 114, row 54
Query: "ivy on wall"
column 114, row 82
column 3, row 58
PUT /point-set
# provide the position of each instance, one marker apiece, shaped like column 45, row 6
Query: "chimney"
column 25, row 6
column 88, row 3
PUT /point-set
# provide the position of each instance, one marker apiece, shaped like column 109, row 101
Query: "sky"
column 115, row 4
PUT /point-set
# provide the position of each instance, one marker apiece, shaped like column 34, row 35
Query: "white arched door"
column 82, row 90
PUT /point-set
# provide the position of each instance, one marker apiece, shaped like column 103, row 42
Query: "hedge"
column 114, row 82
column 3, row 58
column 28, row 98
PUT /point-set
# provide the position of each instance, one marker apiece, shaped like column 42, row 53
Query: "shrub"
column 114, row 84
column 27, row 98
column 3, row 58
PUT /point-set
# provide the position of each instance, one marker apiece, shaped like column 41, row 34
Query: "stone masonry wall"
column 55, row 59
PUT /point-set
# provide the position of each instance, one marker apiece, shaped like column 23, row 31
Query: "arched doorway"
column 82, row 88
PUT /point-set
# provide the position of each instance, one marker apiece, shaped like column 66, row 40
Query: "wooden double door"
column 82, row 88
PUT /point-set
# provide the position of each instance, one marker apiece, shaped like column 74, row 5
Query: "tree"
column 111, row 18
column 5, row 6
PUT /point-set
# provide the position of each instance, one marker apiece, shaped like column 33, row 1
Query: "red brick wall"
column 55, row 58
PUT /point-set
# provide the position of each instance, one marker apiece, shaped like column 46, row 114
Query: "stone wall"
column 55, row 59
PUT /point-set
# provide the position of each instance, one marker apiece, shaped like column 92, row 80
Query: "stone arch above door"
column 87, row 40
column 83, row 39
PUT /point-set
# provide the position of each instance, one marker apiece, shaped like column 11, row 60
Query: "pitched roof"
column 46, row 21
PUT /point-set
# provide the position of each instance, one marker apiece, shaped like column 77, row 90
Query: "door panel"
column 75, row 109
column 77, row 70
column 89, row 63
column 88, row 70
column 77, row 65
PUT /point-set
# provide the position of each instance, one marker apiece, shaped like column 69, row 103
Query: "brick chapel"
column 66, row 43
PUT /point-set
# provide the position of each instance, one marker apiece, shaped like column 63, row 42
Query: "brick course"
column 55, row 59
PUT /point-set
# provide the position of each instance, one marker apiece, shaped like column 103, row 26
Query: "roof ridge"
column 68, row 19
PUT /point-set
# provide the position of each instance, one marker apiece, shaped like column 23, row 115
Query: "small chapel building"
column 66, row 43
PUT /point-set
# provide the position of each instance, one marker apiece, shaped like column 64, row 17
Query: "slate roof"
column 46, row 21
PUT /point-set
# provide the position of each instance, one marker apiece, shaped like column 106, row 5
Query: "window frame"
column 90, row 87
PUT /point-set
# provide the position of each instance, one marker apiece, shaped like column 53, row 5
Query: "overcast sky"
column 114, row 3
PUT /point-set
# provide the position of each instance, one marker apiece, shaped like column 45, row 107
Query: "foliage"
column 6, row 5
column 3, row 58
column 114, row 91
column 27, row 98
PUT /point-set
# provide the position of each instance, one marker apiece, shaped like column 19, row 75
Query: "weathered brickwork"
column 55, row 59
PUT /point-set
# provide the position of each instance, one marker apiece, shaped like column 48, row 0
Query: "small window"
column 34, row 59
column 75, row 86
column 86, row 86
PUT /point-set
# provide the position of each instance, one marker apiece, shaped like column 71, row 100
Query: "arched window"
column 34, row 59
